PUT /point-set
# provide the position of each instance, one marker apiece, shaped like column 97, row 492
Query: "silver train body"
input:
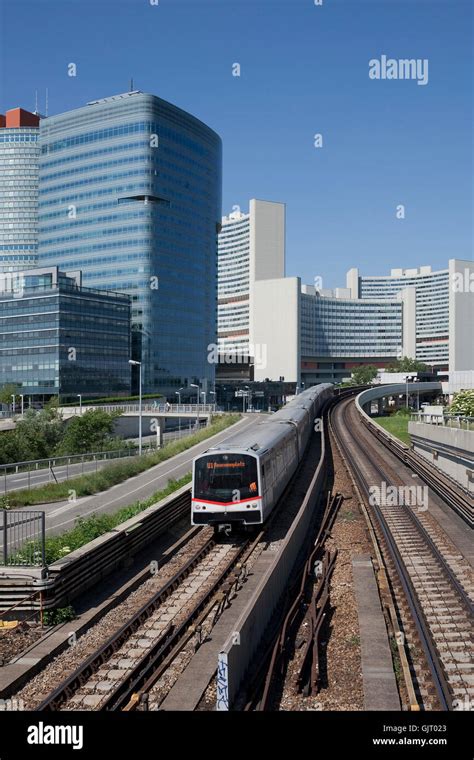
column 241, row 479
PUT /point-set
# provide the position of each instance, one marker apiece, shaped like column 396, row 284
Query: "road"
column 60, row 516
column 16, row 481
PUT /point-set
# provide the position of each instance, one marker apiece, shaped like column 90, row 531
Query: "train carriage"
column 240, row 480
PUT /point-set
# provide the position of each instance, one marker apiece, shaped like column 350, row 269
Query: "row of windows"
column 123, row 147
column 17, row 137
column 100, row 134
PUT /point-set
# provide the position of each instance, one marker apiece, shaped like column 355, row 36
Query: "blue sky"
column 304, row 70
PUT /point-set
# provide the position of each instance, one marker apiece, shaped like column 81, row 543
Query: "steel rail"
column 424, row 633
column 70, row 685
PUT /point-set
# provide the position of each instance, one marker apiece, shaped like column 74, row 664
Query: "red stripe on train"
column 227, row 503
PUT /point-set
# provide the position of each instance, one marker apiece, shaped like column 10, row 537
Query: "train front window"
column 225, row 478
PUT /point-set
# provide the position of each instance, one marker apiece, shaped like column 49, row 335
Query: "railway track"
column 432, row 583
column 120, row 673
column 446, row 487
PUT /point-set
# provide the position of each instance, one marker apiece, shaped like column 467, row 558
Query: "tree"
column 34, row 437
column 6, row 393
column 406, row 364
column 38, row 434
column 364, row 374
column 463, row 403
column 91, row 431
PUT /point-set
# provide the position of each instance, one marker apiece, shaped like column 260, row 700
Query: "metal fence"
column 22, row 538
column 446, row 420
column 61, row 468
column 146, row 408
column 74, row 465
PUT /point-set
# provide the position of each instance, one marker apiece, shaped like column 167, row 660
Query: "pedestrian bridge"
column 149, row 410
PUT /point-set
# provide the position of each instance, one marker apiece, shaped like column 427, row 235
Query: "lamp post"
column 213, row 393
column 139, row 365
column 178, row 393
column 22, row 404
column 203, row 393
column 13, row 404
column 79, row 396
column 246, row 388
column 193, row 385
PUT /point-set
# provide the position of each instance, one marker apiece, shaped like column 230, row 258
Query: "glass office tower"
column 19, row 154
column 57, row 337
column 130, row 193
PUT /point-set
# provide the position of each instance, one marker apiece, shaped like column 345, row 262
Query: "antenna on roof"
column 36, row 101
column 131, row 85
column 46, row 103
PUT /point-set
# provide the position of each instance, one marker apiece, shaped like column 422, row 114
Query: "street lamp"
column 79, row 396
column 213, row 393
column 193, row 385
column 22, row 404
column 203, row 393
column 243, row 398
column 139, row 364
column 407, row 378
column 178, row 393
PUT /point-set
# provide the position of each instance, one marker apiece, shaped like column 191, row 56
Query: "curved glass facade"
column 19, row 153
column 130, row 193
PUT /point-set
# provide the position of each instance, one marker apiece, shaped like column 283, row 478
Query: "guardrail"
column 31, row 466
column 78, row 571
column 35, row 465
column 146, row 408
column 458, row 422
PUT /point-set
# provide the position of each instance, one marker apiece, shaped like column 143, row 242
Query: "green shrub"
column 86, row 529
column 110, row 475
column 61, row 615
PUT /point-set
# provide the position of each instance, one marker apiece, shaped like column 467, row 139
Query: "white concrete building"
column 251, row 248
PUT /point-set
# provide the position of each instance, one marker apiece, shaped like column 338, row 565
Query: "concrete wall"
column 449, row 449
column 267, row 240
column 408, row 298
column 276, row 328
column 461, row 315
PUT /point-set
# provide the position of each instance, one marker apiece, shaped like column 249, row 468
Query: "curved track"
column 435, row 583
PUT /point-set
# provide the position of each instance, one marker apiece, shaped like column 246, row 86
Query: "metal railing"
column 146, row 408
column 457, row 421
column 22, row 538
column 32, row 466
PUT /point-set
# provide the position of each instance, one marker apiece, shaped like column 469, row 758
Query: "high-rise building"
column 19, row 153
column 431, row 302
column 315, row 335
column 251, row 248
column 57, row 337
column 130, row 194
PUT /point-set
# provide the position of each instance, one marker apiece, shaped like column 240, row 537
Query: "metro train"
column 240, row 480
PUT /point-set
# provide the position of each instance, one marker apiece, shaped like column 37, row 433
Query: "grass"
column 396, row 425
column 89, row 528
column 87, row 485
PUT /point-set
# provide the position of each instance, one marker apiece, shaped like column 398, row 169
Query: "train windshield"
column 225, row 477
